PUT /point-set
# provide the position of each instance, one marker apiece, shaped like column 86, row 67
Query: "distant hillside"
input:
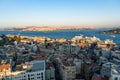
column 34, row 28
column 113, row 31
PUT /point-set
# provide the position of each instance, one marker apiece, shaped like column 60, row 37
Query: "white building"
column 103, row 60
column 106, row 53
column 111, row 70
column 69, row 48
column 78, row 64
column 116, row 54
column 34, row 70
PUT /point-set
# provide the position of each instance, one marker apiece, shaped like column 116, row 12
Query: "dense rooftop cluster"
column 43, row 58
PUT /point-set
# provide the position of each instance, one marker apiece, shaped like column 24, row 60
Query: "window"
column 38, row 74
column 32, row 74
column 116, row 78
column 38, row 77
column 42, row 74
column 28, row 78
column 32, row 78
column 7, row 68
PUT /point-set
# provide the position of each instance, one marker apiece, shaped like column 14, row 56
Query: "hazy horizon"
column 88, row 13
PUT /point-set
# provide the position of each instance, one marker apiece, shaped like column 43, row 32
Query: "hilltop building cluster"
column 43, row 58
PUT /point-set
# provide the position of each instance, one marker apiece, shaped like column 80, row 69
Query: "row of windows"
column 35, row 74
column 24, row 78
column 34, row 78
column 31, row 76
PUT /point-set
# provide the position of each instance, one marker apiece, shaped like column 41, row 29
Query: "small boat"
column 113, row 36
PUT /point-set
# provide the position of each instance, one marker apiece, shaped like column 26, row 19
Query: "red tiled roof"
column 48, row 65
column 96, row 78
column 40, row 57
column 67, row 63
column 5, row 66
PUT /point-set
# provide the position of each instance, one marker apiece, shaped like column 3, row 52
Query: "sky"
column 19, row 13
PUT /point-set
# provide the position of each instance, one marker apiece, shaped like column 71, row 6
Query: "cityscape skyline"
column 59, row 13
column 59, row 39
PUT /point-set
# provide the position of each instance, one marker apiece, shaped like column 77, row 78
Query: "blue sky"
column 59, row 12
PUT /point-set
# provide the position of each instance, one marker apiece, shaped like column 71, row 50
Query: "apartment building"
column 34, row 70
column 111, row 70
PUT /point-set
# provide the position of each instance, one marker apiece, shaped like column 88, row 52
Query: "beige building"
column 78, row 65
column 50, row 71
column 68, row 70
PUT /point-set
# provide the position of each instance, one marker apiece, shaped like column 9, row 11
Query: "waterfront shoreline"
column 67, row 34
